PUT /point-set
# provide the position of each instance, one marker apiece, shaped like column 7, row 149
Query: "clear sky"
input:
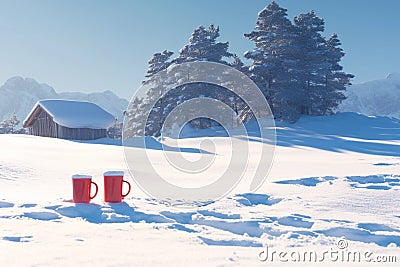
column 96, row 45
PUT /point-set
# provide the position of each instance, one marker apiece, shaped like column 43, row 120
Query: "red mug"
column 113, row 186
column 82, row 186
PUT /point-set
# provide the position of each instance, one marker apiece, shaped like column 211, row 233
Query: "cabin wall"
column 44, row 125
column 80, row 133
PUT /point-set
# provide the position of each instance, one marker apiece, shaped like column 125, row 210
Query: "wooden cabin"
column 67, row 119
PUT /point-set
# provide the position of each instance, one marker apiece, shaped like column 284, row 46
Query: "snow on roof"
column 75, row 114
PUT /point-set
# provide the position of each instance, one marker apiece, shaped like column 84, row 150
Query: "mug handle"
column 129, row 190
column 97, row 189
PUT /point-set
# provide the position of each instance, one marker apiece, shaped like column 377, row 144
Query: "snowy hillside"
column 334, row 186
column 20, row 94
column 375, row 98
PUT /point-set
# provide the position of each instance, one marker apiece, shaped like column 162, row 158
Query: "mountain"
column 374, row 98
column 19, row 95
column 107, row 100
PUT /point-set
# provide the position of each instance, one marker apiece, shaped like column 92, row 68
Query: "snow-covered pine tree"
column 336, row 79
column 133, row 118
column 4, row 127
column 14, row 121
column 313, row 62
column 237, row 63
column 202, row 46
column 158, row 62
column 241, row 109
column 115, row 131
column 275, row 62
column 135, row 114
column 8, row 126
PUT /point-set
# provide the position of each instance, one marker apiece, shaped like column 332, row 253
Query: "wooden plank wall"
column 81, row 133
column 45, row 126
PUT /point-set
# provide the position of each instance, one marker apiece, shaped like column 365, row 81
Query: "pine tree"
column 135, row 118
column 241, row 109
column 313, row 62
column 336, row 79
column 203, row 46
column 159, row 62
column 115, row 131
column 8, row 126
column 237, row 63
column 275, row 62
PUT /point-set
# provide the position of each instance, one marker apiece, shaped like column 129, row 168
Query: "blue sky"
column 96, row 45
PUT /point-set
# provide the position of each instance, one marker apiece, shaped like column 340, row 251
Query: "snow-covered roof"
column 74, row 114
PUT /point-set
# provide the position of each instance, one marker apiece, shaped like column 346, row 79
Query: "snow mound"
column 374, row 98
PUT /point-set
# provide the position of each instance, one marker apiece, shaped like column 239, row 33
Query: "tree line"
column 294, row 65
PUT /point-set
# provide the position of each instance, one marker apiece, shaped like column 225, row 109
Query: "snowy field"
column 334, row 186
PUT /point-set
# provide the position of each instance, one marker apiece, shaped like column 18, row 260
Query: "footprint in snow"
column 6, row 204
column 384, row 164
column 295, row 221
column 28, row 205
column 18, row 238
column 42, row 216
column 375, row 182
column 250, row 199
column 309, row 181
column 362, row 235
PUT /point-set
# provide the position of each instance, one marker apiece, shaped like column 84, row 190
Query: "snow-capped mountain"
column 19, row 95
column 375, row 98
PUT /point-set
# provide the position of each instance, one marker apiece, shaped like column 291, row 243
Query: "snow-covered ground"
column 334, row 187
